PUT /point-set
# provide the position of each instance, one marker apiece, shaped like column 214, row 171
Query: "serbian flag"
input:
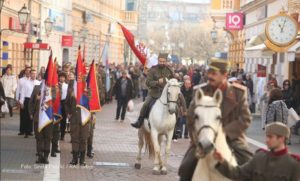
column 92, row 86
column 105, row 61
column 46, row 109
column 138, row 48
column 80, row 92
column 57, row 111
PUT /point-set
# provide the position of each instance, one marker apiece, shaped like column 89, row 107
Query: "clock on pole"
column 281, row 32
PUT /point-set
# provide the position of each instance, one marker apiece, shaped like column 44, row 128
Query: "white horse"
column 208, row 135
column 162, row 120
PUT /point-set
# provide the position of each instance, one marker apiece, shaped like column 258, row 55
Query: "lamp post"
column 1, row 5
column 214, row 35
column 48, row 25
column 23, row 17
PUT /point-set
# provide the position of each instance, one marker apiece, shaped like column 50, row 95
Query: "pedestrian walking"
column 25, row 95
column 287, row 93
column 2, row 99
column 123, row 91
column 22, row 81
column 275, row 164
column 277, row 110
column 187, row 92
column 9, row 82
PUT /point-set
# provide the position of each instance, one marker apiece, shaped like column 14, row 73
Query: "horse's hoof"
column 137, row 166
column 155, row 172
column 164, row 172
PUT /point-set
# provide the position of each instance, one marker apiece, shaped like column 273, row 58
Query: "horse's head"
column 172, row 89
column 207, row 121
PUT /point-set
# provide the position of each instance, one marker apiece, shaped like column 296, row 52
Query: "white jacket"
column 9, row 85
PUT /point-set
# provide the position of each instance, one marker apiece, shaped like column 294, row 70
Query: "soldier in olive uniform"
column 236, row 117
column 79, row 132
column 55, row 138
column 92, row 123
column 156, row 80
column 43, row 138
column 274, row 165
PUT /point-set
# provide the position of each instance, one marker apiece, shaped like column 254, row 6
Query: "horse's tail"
column 148, row 143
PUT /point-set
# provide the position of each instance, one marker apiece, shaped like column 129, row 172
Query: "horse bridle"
column 207, row 126
column 169, row 101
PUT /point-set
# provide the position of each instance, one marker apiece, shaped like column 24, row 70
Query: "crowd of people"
column 125, row 83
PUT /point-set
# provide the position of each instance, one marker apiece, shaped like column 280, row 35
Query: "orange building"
column 13, row 38
column 236, row 45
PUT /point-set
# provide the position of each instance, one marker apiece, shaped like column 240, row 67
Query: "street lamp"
column 1, row 4
column 23, row 16
column 214, row 35
column 48, row 25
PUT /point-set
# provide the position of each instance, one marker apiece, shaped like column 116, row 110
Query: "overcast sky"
column 190, row 1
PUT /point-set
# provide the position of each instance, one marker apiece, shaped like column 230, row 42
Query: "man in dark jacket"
column 187, row 92
column 123, row 92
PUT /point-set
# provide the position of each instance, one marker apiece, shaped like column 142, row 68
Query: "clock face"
column 281, row 30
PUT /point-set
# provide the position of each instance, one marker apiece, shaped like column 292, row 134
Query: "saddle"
column 149, row 107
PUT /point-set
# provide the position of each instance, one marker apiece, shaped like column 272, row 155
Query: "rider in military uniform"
column 156, row 80
column 274, row 165
column 236, row 117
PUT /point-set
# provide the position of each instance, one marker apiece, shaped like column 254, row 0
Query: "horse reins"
column 168, row 101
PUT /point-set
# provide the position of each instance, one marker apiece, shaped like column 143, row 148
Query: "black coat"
column 129, row 89
column 187, row 94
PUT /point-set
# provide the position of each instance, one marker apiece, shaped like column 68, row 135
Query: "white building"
column 256, row 15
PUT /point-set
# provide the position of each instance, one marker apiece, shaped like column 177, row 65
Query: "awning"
column 257, row 47
column 256, row 40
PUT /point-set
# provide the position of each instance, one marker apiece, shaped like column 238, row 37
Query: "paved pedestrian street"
column 115, row 147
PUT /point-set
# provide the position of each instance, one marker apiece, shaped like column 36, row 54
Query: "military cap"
column 278, row 128
column 218, row 64
column 163, row 55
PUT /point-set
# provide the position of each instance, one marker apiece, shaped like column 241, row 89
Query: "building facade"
column 279, row 65
column 13, row 38
column 88, row 24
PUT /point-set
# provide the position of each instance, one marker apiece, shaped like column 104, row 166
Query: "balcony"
column 130, row 18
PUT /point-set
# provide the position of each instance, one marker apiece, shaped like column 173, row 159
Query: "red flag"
column 92, row 85
column 82, row 100
column 56, row 103
column 139, row 50
column 49, row 72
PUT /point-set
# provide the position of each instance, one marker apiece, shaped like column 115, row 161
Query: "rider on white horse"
column 156, row 80
column 236, row 117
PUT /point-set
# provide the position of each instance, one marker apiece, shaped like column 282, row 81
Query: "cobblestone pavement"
column 115, row 144
column 17, row 153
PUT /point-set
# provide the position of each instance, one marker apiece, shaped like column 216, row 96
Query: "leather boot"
column 45, row 157
column 82, row 158
column 40, row 157
column 53, row 153
column 89, row 151
column 138, row 124
column 74, row 161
